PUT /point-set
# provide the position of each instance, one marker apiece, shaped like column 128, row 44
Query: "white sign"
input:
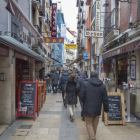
column 98, row 34
column 63, row 30
column 98, row 15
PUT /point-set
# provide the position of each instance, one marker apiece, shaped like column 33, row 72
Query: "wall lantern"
column 2, row 76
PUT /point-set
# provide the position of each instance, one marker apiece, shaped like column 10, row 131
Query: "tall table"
column 126, row 89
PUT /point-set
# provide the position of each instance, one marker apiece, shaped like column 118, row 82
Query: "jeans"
column 49, row 86
column 63, row 98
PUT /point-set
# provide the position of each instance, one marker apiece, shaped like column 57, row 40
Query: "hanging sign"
column 70, row 46
column 54, row 20
column 54, row 39
column 98, row 34
column 98, row 16
column 27, row 99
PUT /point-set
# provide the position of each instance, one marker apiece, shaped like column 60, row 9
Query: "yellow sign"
column 70, row 46
column 47, row 40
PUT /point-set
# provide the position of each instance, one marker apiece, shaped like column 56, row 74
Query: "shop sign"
column 85, row 55
column 71, row 46
column 54, row 39
column 14, row 9
column 98, row 15
column 124, row 49
column 3, row 51
column 98, row 34
column 54, row 20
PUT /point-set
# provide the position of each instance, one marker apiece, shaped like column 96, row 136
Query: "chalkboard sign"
column 115, row 111
column 27, row 99
column 116, row 114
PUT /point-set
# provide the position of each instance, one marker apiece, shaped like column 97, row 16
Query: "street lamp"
column 72, row 42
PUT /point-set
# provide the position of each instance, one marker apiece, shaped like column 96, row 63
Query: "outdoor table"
column 125, row 89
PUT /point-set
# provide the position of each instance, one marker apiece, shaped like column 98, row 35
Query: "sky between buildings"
column 70, row 13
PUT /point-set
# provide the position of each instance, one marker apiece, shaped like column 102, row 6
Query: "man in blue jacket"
column 93, row 96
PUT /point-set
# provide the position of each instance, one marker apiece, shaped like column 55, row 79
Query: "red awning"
column 129, row 46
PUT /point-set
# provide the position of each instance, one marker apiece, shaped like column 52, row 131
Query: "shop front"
column 17, row 63
column 120, row 65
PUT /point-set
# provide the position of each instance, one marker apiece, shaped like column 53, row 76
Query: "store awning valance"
column 14, row 44
column 126, row 47
column 75, row 61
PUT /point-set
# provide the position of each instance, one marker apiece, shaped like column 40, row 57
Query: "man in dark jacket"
column 62, row 83
column 55, row 79
column 80, row 88
column 93, row 96
column 42, row 74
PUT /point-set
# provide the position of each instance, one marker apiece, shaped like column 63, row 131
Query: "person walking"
column 55, row 79
column 49, row 81
column 93, row 96
column 80, row 85
column 42, row 74
column 62, row 83
column 71, row 96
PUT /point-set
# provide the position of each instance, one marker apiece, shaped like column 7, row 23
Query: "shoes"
column 75, row 105
column 81, row 114
column 65, row 106
column 71, row 118
column 83, row 119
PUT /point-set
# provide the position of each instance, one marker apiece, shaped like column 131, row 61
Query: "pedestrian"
column 62, row 83
column 55, row 79
column 49, row 81
column 81, row 71
column 93, row 96
column 42, row 74
column 71, row 96
column 80, row 85
column 86, row 73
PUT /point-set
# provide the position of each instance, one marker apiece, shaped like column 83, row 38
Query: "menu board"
column 27, row 99
column 115, row 110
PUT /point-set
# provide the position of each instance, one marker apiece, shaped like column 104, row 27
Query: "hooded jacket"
column 63, row 80
column 93, row 95
column 55, row 78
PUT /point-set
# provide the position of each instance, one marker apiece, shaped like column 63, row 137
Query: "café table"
column 126, row 90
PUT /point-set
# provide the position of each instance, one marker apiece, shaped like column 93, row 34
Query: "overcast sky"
column 70, row 13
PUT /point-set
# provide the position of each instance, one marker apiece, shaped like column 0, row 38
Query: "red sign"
column 54, row 39
column 28, row 99
column 54, row 20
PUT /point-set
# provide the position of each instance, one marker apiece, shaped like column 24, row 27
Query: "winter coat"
column 63, row 80
column 55, row 78
column 80, row 83
column 71, row 96
column 93, row 95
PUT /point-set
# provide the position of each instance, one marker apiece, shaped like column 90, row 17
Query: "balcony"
column 80, row 10
column 82, row 3
column 42, row 8
column 38, row 29
column 81, row 25
column 87, row 23
column 77, row 3
column 83, row 17
column 111, row 25
column 83, row 43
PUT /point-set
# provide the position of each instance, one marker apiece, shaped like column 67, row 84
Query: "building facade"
column 22, row 50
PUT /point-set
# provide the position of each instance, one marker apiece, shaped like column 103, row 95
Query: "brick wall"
column 127, row 10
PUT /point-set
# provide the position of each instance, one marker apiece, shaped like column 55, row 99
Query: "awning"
column 14, row 44
column 126, row 47
column 75, row 61
column 56, row 61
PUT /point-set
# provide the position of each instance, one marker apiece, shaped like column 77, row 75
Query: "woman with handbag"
column 71, row 96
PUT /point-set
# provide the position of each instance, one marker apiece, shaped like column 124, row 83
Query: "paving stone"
column 21, row 133
column 54, row 131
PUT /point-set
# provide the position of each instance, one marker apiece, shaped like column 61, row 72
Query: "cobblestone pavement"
column 53, row 124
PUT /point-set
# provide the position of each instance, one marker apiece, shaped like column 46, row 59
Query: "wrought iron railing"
column 87, row 23
column 83, row 17
column 111, row 22
column 138, row 10
column 83, row 42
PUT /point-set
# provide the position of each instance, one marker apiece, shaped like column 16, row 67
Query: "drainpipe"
column 30, row 10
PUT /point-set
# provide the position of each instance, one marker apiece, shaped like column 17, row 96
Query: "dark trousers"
column 82, row 106
column 54, row 91
column 63, row 97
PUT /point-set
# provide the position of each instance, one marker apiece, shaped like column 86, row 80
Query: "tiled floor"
column 3, row 128
column 53, row 124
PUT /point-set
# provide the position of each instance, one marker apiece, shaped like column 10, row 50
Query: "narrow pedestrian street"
column 53, row 124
